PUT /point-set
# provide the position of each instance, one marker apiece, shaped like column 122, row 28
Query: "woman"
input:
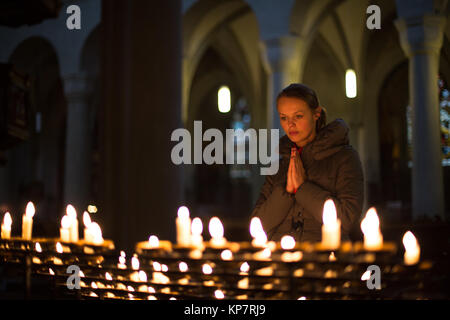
column 317, row 163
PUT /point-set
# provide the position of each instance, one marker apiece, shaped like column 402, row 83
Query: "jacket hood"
column 329, row 140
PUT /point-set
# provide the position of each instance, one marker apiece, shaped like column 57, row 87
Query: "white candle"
column 96, row 233
column 331, row 228
column 65, row 229
column 183, row 223
column 257, row 232
column 197, row 229
column 88, row 236
column 412, row 249
column 370, row 226
column 70, row 210
column 27, row 221
column 6, row 226
column 216, row 231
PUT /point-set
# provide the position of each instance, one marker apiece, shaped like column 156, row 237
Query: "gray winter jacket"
column 333, row 170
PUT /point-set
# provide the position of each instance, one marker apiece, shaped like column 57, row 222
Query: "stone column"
column 421, row 39
column 282, row 58
column 141, row 106
column 78, row 142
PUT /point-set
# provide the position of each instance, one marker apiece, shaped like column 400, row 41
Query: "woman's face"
column 298, row 120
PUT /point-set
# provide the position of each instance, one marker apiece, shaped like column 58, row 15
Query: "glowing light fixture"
column 224, row 99
column 350, row 83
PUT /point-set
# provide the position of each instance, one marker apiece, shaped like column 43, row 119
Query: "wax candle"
column 370, row 226
column 412, row 249
column 196, row 237
column 183, row 223
column 96, row 232
column 122, row 261
column 331, row 228
column 6, row 226
column 72, row 214
column 65, row 229
column 257, row 232
column 27, row 221
column 88, row 236
column 216, row 231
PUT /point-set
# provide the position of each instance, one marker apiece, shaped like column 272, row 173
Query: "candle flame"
column 197, row 226
column 215, row 228
column 65, row 222
column 365, row 276
column 71, row 212
column 257, row 231
column 153, row 241
column 86, row 219
column 329, row 212
column 183, row 266
column 7, row 221
column 371, row 222
column 302, row 298
column 164, row 268
column 219, row 294
column 266, row 253
column 142, row 276
column 135, row 263
column 59, row 247
column 38, row 247
column 96, row 232
column 227, row 255
column 51, row 271
column 157, row 266
column 287, row 242
column 183, row 212
column 410, row 241
column 108, row 276
column 81, row 274
column 207, row 269
column 245, row 267
column 30, row 210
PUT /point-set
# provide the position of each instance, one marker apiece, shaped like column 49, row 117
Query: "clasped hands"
column 296, row 174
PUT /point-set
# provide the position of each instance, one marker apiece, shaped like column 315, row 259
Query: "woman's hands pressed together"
column 296, row 174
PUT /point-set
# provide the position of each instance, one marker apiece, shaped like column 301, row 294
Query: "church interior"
column 91, row 92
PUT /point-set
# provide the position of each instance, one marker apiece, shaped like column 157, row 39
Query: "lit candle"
column 216, row 232
column 370, row 226
column 88, row 236
column 331, row 228
column 287, row 242
column 27, row 221
column 72, row 214
column 412, row 249
column 183, row 223
column 197, row 229
column 122, row 261
column 153, row 242
column 257, row 232
column 65, row 229
column 6, row 226
column 96, row 232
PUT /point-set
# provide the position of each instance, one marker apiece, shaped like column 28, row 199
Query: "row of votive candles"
column 190, row 233
column 68, row 230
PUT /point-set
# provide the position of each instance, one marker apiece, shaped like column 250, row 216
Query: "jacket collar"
column 329, row 140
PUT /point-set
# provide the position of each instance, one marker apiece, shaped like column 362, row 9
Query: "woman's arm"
column 349, row 196
column 272, row 205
